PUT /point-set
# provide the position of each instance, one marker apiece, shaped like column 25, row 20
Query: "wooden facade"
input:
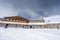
column 16, row 19
column 24, row 20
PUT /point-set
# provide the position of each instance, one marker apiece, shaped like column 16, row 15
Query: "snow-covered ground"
column 29, row 34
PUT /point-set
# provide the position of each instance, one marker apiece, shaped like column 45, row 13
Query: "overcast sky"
column 30, row 8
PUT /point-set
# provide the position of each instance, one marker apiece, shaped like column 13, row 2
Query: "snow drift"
column 29, row 34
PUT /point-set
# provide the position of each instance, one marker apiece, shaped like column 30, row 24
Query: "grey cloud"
column 33, row 8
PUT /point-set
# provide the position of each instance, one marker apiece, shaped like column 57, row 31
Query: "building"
column 16, row 19
column 24, row 20
column 36, row 21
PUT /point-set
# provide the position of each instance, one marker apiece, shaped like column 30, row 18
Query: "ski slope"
column 29, row 34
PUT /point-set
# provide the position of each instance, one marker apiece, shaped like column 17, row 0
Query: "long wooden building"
column 24, row 20
column 16, row 19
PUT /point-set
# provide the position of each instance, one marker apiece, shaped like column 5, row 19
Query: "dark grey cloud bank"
column 34, row 8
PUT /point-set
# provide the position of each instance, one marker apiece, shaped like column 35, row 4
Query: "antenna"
column 42, row 18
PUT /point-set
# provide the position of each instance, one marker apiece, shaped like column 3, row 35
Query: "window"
column 7, row 19
column 14, row 20
column 19, row 20
column 22, row 21
column 10, row 19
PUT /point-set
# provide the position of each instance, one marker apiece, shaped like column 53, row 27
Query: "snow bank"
column 29, row 34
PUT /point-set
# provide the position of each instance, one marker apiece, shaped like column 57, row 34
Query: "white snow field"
column 29, row 34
